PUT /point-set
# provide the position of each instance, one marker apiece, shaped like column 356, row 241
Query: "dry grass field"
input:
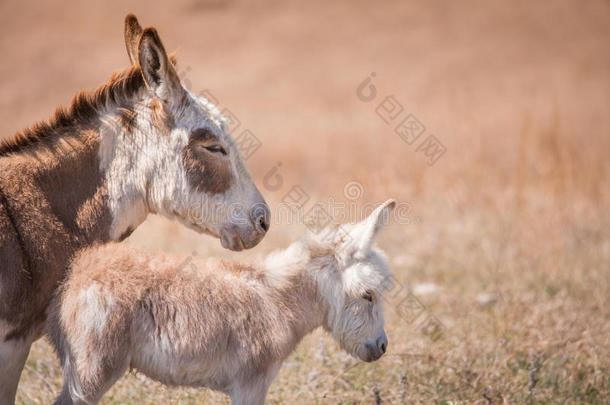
column 502, row 245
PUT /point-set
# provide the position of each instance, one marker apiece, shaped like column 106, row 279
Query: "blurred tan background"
column 507, row 242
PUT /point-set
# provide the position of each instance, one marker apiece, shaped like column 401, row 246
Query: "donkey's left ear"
column 159, row 74
column 133, row 31
column 365, row 232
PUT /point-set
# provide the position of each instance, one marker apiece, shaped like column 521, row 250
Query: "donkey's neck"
column 59, row 189
column 72, row 184
column 126, row 183
column 66, row 162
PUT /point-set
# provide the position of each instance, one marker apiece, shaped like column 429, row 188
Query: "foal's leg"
column 252, row 394
column 13, row 354
column 254, row 390
column 93, row 341
column 89, row 384
column 92, row 360
column 64, row 398
column 71, row 396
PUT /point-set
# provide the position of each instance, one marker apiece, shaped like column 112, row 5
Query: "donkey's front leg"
column 13, row 354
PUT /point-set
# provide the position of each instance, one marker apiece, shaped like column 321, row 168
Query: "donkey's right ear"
column 133, row 31
column 159, row 74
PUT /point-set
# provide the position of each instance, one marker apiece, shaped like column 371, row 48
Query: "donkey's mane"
column 86, row 105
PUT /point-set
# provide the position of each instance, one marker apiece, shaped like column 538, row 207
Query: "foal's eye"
column 216, row 149
column 368, row 296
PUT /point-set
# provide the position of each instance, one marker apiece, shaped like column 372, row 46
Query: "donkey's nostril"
column 382, row 347
column 263, row 224
column 260, row 218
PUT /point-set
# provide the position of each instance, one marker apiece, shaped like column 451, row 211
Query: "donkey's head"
column 182, row 161
column 352, row 285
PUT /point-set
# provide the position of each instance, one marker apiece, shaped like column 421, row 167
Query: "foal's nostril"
column 382, row 344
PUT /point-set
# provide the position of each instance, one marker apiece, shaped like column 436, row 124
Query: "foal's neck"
column 293, row 274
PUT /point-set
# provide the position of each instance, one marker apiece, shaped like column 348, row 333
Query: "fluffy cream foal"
column 217, row 324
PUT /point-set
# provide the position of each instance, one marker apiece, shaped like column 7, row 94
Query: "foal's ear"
column 365, row 232
column 133, row 30
column 158, row 72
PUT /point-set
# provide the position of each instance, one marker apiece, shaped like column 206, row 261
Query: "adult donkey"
column 139, row 144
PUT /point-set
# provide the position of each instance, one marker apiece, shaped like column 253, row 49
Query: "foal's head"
column 352, row 283
column 188, row 165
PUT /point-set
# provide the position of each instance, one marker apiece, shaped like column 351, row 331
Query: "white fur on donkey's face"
column 354, row 288
column 146, row 173
column 214, row 213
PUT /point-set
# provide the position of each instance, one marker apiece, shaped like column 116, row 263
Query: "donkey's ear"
column 158, row 72
column 364, row 233
column 133, row 30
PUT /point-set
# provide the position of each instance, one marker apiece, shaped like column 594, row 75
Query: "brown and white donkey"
column 139, row 144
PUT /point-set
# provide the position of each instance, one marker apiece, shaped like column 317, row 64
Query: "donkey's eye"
column 216, row 149
column 368, row 296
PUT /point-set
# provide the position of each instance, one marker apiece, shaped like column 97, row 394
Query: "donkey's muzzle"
column 247, row 232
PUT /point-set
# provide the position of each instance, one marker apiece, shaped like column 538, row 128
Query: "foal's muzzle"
column 376, row 348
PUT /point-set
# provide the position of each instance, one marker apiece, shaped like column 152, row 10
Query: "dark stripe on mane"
column 118, row 91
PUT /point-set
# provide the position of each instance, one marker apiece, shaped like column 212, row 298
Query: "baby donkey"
column 217, row 324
